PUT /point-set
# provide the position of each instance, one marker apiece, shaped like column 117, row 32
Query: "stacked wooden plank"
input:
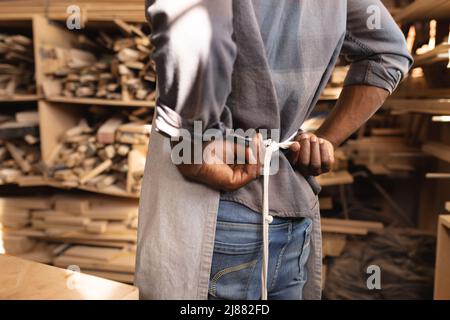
column 90, row 10
column 16, row 65
column 354, row 227
column 19, row 147
column 124, row 72
column 106, row 156
column 335, row 232
column 384, row 154
column 95, row 233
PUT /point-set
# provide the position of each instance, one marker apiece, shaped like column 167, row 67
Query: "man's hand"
column 311, row 155
column 220, row 170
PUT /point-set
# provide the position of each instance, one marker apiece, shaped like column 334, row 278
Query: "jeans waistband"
column 237, row 213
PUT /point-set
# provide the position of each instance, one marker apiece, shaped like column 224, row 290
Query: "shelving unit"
column 63, row 112
column 21, row 98
column 57, row 114
column 102, row 102
column 426, row 93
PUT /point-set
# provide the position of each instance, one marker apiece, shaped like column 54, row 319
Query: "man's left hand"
column 311, row 155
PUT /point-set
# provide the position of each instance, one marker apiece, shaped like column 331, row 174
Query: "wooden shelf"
column 438, row 150
column 424, row 10
column 103, row 102
column 413, row 93
column 131, row 10
column 330, row 94
column 438, row 54
column 111, row 190
column 427, row 106
column 20, row 98
column 46, row 182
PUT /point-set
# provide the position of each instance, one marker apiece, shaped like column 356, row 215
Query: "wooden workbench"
column 23, row 279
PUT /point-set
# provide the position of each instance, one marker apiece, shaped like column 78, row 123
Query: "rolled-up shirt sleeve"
column 194, row 55
column 375, row 46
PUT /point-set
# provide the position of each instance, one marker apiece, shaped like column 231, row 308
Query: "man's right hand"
column 311, row 155
column 219, row 169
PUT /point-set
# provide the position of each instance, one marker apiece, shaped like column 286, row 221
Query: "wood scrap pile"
column 16, row 65
column 384, row 155
column 335, row 233
column 96, row 233
column 406, row 258
column 106, row 155
column 124, row 72
column 19, row 147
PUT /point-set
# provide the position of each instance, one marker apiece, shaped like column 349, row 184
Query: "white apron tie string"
column 271, row 147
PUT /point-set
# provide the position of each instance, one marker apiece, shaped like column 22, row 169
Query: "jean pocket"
column 231, row 280
column 237, row 250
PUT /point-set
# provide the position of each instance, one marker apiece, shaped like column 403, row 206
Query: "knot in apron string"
column 271, row 148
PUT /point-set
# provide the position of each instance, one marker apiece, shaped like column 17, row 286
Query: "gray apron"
column 177, row 224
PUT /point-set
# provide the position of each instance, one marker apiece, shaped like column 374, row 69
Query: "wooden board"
column 326, row 203
column 356, row 224
column 23, row 280
column 95, row 253
column 104, row 102
column 78, row 205
column 122, row 262
column 438, row 150
column 333, row 245
column 335, row 178
column 344, row 230
column 424, row 10
column 61, row 119
column 427, row 106
column 442, row 271
column 26, row 202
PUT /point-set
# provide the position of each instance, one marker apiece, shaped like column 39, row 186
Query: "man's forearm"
column 354, row 107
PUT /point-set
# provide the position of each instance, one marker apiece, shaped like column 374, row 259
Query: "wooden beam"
column 438, row 150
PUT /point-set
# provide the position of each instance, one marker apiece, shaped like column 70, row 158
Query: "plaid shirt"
column 261, row 64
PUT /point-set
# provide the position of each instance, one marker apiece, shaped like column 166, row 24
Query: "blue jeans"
column 236, row 264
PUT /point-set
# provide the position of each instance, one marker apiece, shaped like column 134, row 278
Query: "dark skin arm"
column 312, row 154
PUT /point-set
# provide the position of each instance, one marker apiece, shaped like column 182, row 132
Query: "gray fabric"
column 244, row 64
column 262, row 65
column 177, row 223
